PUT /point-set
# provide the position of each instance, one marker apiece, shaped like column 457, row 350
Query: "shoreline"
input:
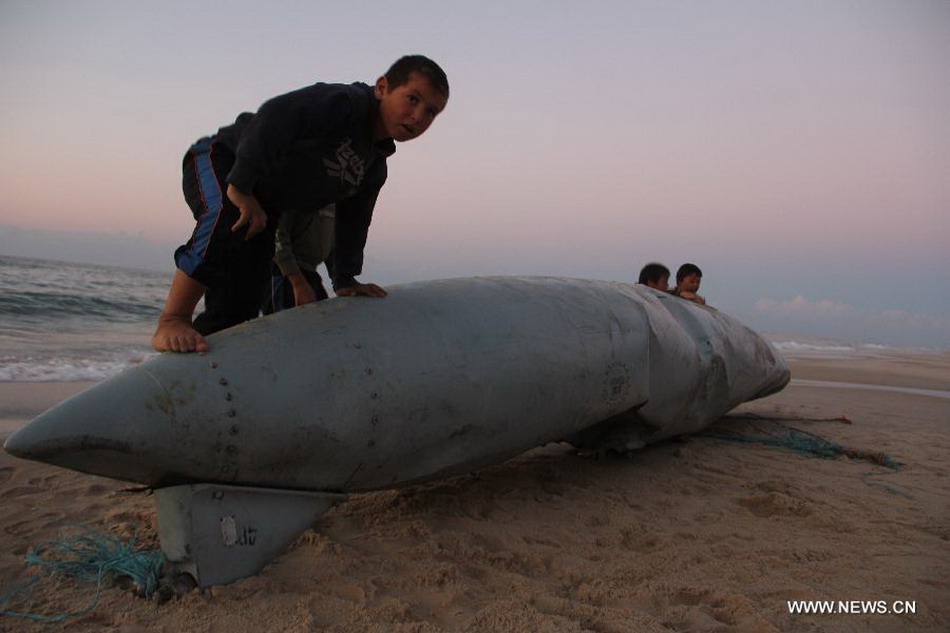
column 830, row 384
column 21, row 401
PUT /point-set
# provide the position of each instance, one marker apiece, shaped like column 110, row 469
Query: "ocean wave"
column 47, row 307
column 52, row 290
column 66, row 369
column 837, row 349
column 63, row 322
column 795, row 346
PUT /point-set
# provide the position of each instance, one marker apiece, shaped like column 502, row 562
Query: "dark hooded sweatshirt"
column 310, row 148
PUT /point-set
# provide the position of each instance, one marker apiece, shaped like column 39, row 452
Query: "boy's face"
column 662, row 284
column 406, row 111
column 690, row 283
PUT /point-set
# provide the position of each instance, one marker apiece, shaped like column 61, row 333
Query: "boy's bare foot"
column 175, row 334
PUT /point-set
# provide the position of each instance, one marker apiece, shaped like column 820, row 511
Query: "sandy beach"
column 696, row 534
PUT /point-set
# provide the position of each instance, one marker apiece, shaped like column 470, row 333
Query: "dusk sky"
column 798, row 152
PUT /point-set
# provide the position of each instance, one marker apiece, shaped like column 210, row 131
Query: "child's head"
column 411, row 94
column 656, row 276
column 399, row 73
column 688, row 278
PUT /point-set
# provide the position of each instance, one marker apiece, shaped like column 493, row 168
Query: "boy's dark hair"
column 686, row 270
column 398, row 73
column 653, row 272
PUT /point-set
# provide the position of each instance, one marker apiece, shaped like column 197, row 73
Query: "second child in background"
column 303, row 241
column 688, row 278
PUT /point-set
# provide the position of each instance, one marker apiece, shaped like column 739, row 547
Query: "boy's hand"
column 252, row 214
column 692, row 296
column 303, row 292
column 361, row 290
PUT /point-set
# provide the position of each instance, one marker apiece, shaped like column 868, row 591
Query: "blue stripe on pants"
column 212, row 202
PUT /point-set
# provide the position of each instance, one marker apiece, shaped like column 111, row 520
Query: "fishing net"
column 89, row 557
column 774, row 433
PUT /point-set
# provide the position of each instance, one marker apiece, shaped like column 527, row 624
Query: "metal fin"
column 220, row 534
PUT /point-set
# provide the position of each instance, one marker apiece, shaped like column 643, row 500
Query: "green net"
column 790, row 438
column 88, row 557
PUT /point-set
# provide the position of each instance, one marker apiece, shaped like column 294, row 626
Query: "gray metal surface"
column 355, row 394
column 438, row 378
column 221, row 533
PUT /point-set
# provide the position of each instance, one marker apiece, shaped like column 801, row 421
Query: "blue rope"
column 808, row 444
column 88, row 557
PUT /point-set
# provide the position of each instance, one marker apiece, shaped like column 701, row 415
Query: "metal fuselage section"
column 437, row 378
column 251, row 442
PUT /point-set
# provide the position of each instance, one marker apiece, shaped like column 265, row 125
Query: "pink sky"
column 790, row 148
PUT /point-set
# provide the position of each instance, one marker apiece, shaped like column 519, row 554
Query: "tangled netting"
column 790, row 438
column 89, row 557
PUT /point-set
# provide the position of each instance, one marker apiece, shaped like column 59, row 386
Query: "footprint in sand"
column 6, row 473
column 21, row 491
column 775, row 504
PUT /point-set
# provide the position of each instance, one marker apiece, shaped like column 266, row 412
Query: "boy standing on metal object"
column 323, row 144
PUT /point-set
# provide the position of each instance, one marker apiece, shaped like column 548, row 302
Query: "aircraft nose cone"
column 18, row 445
column 106, row 430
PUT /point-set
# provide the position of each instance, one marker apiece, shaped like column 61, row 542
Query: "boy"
column 656, row 276
column 323, row 144
column 688, row 278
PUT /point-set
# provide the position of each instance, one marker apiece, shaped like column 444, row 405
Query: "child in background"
column 656, row 276
column 688, row 278
column 303, row 242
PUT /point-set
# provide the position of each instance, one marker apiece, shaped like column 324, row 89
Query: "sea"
column 62, row 321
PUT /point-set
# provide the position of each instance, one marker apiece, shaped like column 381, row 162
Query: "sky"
column 797, row 151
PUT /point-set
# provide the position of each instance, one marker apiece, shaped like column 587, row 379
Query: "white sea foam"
column 60, row 369
column 803, row 347
column 795, row 346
